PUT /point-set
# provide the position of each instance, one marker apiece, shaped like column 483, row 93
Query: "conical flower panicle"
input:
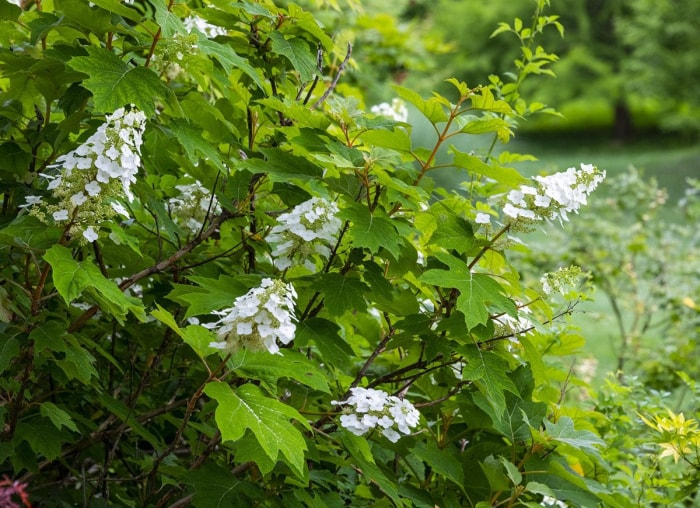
column 305, row 232
column 258, row 319
column 554, row 196
column 93, row 175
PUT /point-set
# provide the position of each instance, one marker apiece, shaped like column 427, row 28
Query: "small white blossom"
column 304, row 232
column 374, row 408
column 258, row 319
column 60, row 215
column 90, row 234
column 482, row 218
column 396, row 111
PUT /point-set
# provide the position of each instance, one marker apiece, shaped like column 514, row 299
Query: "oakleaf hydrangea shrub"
column 332, row 328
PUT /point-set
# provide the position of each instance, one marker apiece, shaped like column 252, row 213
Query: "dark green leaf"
column 443, row 461
column 269, row 368
column 281, row 165
column 341, row 294
column 330, row 344
column 29, row 232
column 57, row 416
column 115, row 84
column 298, row 52
column 266, row 417
column 195, row 145
column 228, row 59
column 71, row 278
column 490, row 373
column 372, row 231
column 478, row 293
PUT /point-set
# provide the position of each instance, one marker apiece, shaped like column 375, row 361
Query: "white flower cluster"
column 258, row 319
column 193, row 205
column 307, row 230
column 99, row 170
column 396, row 111
column 195, row 22
column 375, row 408
column 555, row 195
column 560, row 280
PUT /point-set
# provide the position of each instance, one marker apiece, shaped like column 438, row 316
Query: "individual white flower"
column 31, row 201
column 377, row 409
column 306, row 231
column 258, row 319
column 396, row 111
column 193, row 205
column 60, row 215
column 482, row 218
column 554, row 196
column 90, row 234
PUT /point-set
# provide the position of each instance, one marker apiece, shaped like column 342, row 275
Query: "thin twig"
column 335, row 79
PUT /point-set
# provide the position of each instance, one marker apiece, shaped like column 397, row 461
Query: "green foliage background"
column 111, row 392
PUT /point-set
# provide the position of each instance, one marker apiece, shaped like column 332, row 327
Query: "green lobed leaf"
column 325, row 336
column 563, row 431
column 196, row 146
column 298, row 52
column 9, row 350
column 115, row 84
column 120, row 8
column 29, row 232
column 485, row 101
column 42, row 436
column 454, row 233
column 342, row 294
column 474, row 164
column 397, row 139
column 372, row 231
column 229, row 59
column 442, row 461
column 209, row 294
column 72, row 278
column 169, row 23
column 268, row 368
column 490, row 373
column 478, row 293
column 281, row 166
column 433, row 109
column 57, row 416
column 267, row 418
column 361, row 456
